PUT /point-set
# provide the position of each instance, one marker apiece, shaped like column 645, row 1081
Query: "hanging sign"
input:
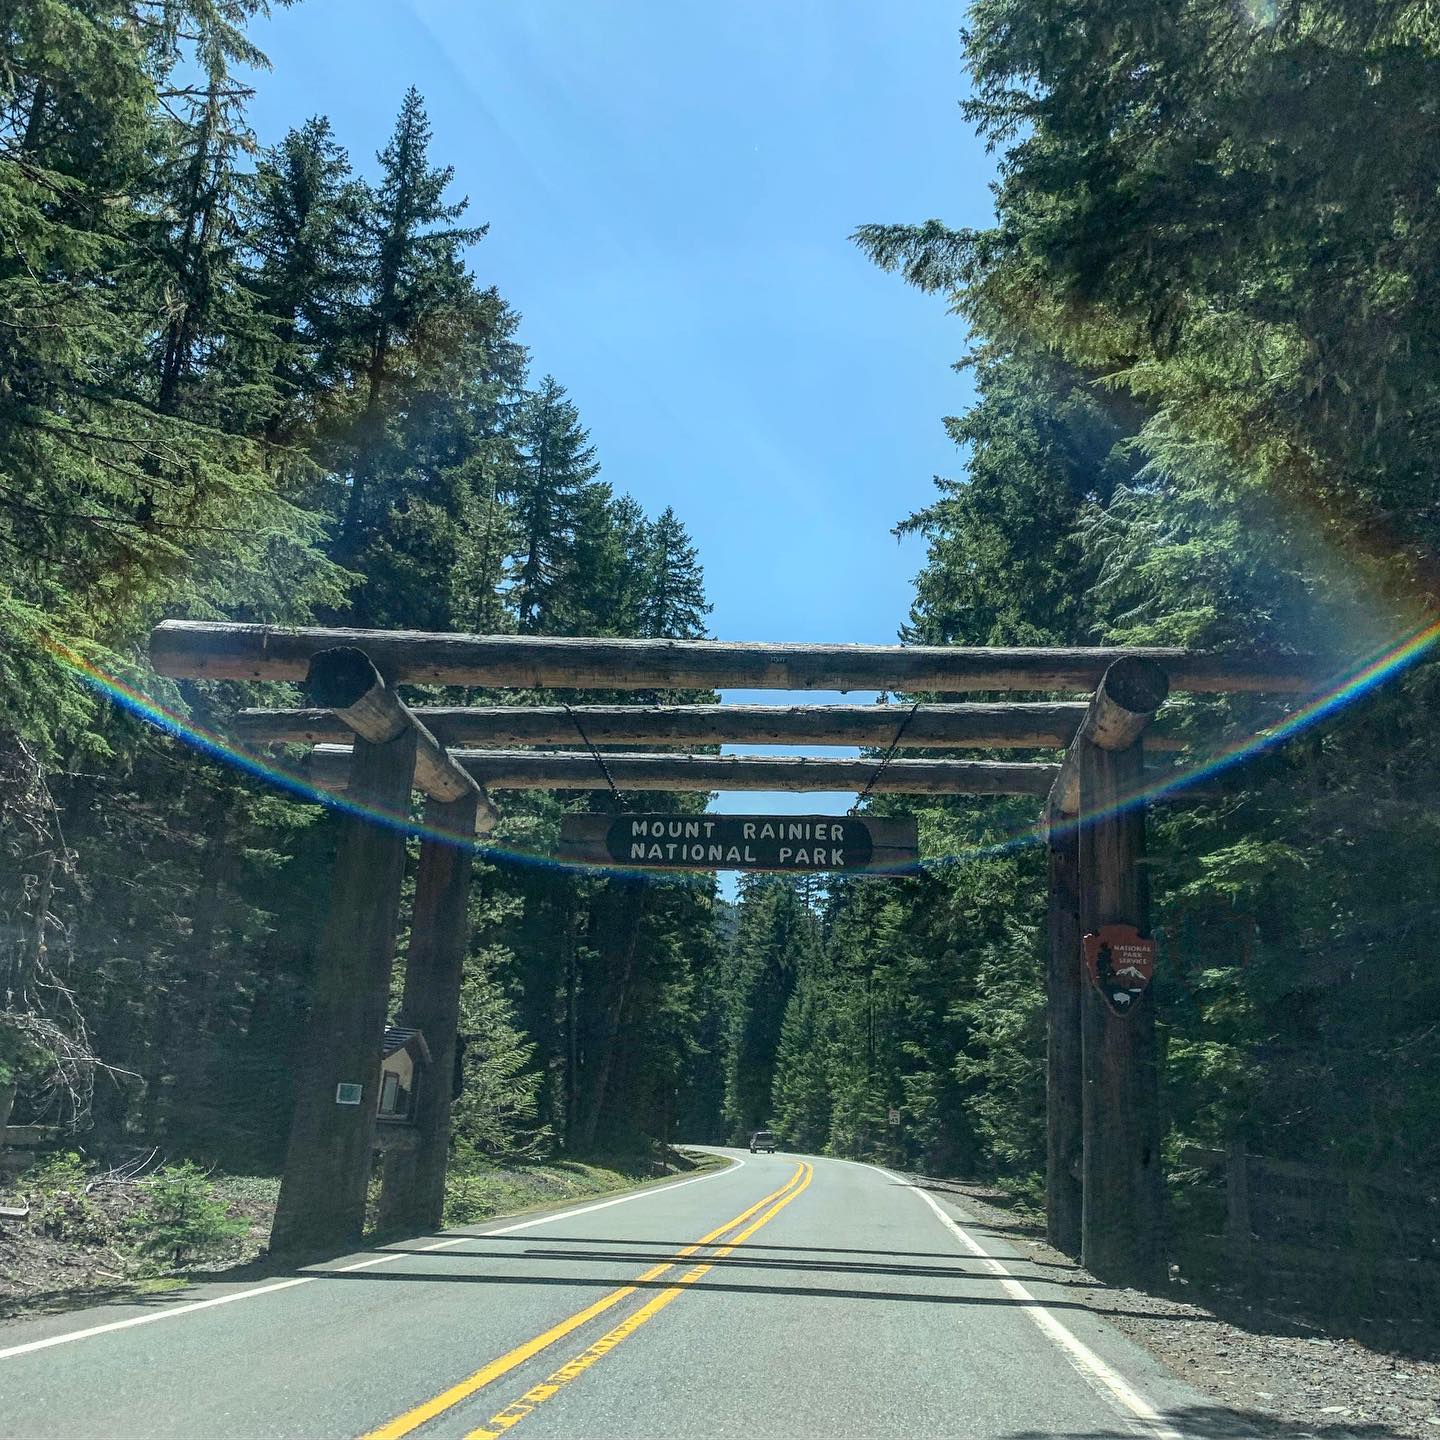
column 1120, row 962
column 740, row 842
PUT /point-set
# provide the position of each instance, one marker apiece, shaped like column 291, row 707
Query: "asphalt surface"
column 829, row 1299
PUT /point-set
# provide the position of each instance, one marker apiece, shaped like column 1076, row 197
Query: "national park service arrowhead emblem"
column 1121, row 963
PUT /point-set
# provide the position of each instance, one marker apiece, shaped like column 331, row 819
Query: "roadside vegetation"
column 94, row 1232
column 267, row 378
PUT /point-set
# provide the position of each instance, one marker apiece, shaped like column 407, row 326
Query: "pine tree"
column 801, row 1089
column 606, row 583
column 415, row 278
column 208, row 378
column 672, row 602
column 302, row 220
column 556, row 467
column 775, row 939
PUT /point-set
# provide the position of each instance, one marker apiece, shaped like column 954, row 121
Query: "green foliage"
column 775, row 942
column 61, row 1205
column 476, row 1190
column 183, row 1219
column 499, row 1105
column 1002, row 1064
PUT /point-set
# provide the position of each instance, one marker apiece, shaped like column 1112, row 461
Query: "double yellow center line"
column 447, row 1399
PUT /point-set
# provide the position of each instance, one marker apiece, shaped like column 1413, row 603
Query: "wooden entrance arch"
column 1103, row 1167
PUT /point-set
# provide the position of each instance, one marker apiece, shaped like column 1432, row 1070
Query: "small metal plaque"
column 348, row 1094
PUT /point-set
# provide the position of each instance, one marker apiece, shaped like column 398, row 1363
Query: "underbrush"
column 93, row 1233
column 92, row 1230
column 481, row 1188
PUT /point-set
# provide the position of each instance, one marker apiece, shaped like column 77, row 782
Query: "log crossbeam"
column 532, row 770
column 1120, row 711
column 224, row 651
column 1047, row 725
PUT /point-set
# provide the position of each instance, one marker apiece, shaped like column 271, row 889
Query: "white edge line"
column 1099, row 1372
column 29, row 1347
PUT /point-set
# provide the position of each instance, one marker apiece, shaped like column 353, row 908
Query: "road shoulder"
column 1277, row 1377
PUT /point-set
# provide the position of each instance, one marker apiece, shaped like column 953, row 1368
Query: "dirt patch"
column 79, row 1245
column 1282, row 1376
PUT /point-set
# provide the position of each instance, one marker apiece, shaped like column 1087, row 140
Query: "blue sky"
column 670, row 189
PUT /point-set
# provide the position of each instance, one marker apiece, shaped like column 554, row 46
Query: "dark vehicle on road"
column 762, row 1140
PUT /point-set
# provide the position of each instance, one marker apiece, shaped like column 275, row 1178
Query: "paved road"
column 784, row 1294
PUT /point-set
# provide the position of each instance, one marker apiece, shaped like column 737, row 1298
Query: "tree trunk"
column 612, row 1028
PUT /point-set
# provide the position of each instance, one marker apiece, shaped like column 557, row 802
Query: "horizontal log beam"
column 532, row 770
column 347, row 684
column 1047, row 725
column 221, row 651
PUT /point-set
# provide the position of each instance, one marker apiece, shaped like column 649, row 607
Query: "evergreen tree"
column 415, row 281
column 802, row 1087
column 672, row 602
column 556, row 468
column 775, row 940
column 302, row 220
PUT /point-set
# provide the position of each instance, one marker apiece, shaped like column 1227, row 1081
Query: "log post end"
column 340, row 677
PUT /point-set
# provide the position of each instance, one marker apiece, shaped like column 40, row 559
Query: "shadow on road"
column 660, row 1255
column 787, row 1249
column 708, row 1286
column 1219, row 1422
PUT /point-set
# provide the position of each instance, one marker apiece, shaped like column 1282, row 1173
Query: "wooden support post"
column 1064, row 984
column 412, row 1195
column 1120, row 1168
column 327, row 1167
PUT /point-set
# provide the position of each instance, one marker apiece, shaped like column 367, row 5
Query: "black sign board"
column 799, row 843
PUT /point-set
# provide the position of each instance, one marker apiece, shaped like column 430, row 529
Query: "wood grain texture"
column 412, row 1192
column 345, row 680
column 219, row 650
column 1123, row 705
column 327, row 1166
column 539, row 770
column 1120, row 1167
column 1048, row 725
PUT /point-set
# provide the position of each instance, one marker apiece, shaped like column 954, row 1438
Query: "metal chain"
column 599, row 759
column 864, row 795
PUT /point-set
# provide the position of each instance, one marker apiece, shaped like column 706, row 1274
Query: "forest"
column 249, row 383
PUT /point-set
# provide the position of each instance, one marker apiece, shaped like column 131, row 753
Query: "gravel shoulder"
column 1299, row 1380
